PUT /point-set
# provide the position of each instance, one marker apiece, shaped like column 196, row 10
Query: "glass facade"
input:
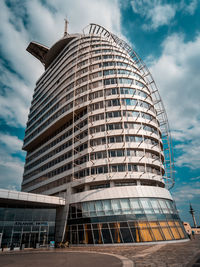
column 27, row 226
column 126, row 220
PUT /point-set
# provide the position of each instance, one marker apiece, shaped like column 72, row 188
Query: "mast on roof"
column 66, row 27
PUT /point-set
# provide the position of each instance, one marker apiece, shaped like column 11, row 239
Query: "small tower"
column 66, row 27
column 193, row 217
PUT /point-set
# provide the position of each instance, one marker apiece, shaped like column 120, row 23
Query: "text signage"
column 31, row 224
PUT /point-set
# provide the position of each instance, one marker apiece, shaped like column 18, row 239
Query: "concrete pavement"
column 181, row 254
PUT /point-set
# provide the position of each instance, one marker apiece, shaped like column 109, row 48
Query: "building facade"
column 28, row 220
column 97, row 134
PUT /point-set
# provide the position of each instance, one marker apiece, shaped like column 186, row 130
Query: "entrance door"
column 33, row 239
column 15, row 239
column 26, row 239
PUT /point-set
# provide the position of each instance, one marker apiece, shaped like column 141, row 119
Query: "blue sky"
column 165, row 34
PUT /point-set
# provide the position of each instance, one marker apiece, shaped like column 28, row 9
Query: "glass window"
column 120, row 153
column 166, row 233
column 121, row 168
column 116, row 206
column 155, row 205
column 85, row 210
column 163, row 206
column 116, row 235
column 136, row 234
column 146, row 205
column 91, row 206
column 99, row 208
column 125, row 206
column 146, row 235
column 134, row 203
column 2, row 214
column 107, row 207
column 88, row 234
column 97, row 237
column 126, row 235
column 106, row 236
column 112, row 153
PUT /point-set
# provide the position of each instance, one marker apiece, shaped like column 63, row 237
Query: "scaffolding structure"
column 95, row 29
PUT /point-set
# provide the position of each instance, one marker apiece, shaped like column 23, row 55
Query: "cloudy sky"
column 165, row 34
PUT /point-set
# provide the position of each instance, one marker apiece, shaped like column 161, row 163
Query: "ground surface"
column 58, row 259
column 184, row 254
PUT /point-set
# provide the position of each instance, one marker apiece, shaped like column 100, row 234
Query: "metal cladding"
column 97, row 128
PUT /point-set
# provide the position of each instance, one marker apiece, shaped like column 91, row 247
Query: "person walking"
column 193, row 234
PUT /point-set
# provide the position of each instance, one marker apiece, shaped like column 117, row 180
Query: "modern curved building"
column 97, row 134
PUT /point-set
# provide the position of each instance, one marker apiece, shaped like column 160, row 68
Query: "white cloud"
column 45, row 24
column 11, row 166
column 11, row 169
column 189, row 8
column 12, row 143
column 155, row 11
column 41, row 21
column 197, row 178
column 189, row 154
column 185, row 194
column 161, row 15
column 176, row 73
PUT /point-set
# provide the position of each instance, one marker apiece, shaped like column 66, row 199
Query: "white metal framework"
column 95, row 29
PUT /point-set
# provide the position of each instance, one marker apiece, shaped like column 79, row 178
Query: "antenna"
column 66, row 26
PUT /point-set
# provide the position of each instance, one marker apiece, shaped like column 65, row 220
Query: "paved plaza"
column 182, row 254
column 59, row 259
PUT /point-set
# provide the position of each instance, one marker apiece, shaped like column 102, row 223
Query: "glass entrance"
column 29, row 239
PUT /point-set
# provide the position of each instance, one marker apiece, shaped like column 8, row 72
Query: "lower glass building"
column 27, row 220
column 27, row 226
column 126, row 220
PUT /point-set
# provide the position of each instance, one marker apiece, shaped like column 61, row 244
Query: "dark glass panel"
column 88, row 237
column 79, row 215
column 10, row 214
column 141, row 217
column 44, row 215
column 106, row 236
column 105, row 225
column 2, row 214
column 126, row 235
column 20, row 215
column 136, row 234
column 132, row 224
column 81, row 237
column 97, row 236
column 74, row 237
column 95, row 226
column 28, row 215
column 52, row 214
column 123, row 224
column 80, row 227
column 116, row 235
column 74, row 227
column 88, row 226
column 169, row 216
column 161, row 217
